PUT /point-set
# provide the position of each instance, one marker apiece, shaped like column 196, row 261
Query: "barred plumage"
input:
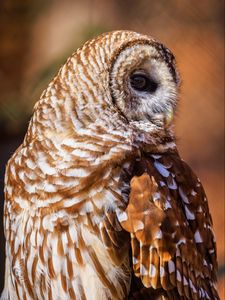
column 98, row 203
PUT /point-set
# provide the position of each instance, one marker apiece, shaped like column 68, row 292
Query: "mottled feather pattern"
column 98, row 203
column 166, row 231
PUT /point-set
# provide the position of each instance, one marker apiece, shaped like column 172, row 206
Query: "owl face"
column 144, row 83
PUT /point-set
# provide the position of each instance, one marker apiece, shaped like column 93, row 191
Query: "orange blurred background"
column 36, row 37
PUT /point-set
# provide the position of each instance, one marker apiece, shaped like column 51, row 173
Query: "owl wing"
column 172, row 242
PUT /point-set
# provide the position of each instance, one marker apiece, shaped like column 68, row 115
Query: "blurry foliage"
column 16, row 19
column 184, row 12
column 13, row 116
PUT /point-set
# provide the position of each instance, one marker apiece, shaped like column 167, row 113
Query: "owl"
column 98, row 202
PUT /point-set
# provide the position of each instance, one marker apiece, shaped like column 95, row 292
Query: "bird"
column 98, row 202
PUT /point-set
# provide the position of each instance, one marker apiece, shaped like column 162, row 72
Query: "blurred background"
column 36, row 37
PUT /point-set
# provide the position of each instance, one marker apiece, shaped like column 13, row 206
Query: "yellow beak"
column 168, row 118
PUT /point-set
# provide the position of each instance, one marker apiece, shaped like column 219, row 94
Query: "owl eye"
column 142, row 83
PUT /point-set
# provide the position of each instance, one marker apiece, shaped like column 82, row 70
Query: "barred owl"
column 98, row 202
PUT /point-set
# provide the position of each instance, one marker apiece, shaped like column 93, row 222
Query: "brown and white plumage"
column 98, row 203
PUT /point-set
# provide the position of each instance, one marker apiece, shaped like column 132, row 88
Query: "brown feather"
column 165, row 217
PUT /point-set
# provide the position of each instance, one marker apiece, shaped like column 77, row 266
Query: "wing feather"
column 172, row 241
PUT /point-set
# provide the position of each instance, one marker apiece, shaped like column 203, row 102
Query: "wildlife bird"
column 98, row 202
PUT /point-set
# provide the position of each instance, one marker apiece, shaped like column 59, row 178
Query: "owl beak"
column 168, row 118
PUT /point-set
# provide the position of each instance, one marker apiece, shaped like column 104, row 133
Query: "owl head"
column 120, row 81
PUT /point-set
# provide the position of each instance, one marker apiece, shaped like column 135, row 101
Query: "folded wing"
column 173, row 246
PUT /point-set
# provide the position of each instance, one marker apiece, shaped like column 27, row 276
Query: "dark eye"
column 142, row 83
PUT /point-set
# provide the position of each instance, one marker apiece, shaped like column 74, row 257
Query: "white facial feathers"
column 155, row 99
